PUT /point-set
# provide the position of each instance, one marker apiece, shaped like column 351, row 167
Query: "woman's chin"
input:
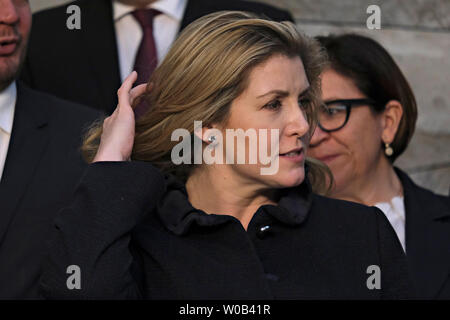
column 290, row 179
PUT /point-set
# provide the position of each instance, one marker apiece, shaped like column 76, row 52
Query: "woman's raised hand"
column 117, row 138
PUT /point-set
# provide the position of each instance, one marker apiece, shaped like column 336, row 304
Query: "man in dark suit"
column 88, row 65
column 39, row 159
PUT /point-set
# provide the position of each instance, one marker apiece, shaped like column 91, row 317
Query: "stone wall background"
column 417, row 34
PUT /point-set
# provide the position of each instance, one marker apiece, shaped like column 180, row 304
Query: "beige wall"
column 417, row 33
column 37, row 5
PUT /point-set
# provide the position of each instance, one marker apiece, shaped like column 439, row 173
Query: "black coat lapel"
column 427, row 235
column 29, row 139
column 98, row 35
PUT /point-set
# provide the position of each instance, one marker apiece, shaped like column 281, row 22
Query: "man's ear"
column 391, row 117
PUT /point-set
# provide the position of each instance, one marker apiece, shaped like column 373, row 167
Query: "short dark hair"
column 377, row 76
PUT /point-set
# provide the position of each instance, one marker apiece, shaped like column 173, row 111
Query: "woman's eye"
column 273, row 105
column 332, row 111
column 337, row 109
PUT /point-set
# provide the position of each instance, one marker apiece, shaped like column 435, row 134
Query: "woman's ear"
column 391, row 117
column 205, row 133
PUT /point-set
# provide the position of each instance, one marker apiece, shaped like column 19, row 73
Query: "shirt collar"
column 172, row 8
column 178, row 215
column 418, row 200
column 8, row 99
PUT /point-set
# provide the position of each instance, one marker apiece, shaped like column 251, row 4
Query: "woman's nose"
column 297, row 122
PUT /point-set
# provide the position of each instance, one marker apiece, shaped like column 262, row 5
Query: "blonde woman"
column 148, row 228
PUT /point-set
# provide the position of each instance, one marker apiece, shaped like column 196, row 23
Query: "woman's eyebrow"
column 282, row 93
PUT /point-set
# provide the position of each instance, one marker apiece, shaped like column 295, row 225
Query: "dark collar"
column 178, row 215
column 427, row 237
column 424, row 200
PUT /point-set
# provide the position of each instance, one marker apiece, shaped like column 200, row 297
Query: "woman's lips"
column 297, row 156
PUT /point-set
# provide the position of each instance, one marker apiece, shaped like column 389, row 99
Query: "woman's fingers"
column 137, row 91
column 123, row 93
column 127, row 94
column 116, row 142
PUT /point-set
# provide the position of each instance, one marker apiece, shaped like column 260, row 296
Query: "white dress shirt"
column 129, row 32
column 8, row 99
column 395, row 212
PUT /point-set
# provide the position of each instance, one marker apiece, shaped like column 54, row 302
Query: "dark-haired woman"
column 366, row 122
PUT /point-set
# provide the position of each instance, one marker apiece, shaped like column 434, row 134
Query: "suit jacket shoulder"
column 427, row 233
column 198, row 8
column 421, row 194
column 65, row 114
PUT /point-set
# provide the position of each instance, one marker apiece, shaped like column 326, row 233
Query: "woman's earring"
column 388, row 149
column 211, row 139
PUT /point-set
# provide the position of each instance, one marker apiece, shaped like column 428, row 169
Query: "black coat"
column 41, row 169
column 427, row 233
column 83, row 65
column 133, row 234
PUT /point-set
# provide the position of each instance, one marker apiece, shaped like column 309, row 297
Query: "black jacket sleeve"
column 94, row 232
column 395, row 279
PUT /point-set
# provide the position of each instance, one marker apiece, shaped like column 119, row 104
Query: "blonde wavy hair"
column 205, row 70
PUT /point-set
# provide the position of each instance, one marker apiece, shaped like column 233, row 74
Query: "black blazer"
column 427, row 238
column 41, row 169
column 134, row 234
column 83, row 65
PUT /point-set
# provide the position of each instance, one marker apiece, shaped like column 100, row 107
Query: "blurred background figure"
column 116, row 37
column 39, row 159
column 366, row 122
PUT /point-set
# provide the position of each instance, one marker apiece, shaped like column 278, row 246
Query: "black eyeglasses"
column 333, row 115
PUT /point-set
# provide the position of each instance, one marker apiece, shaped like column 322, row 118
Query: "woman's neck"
column 222, row 193
column 381, row 184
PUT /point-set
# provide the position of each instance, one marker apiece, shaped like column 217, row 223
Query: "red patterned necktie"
column 146, row 57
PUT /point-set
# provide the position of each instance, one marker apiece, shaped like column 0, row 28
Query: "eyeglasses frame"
column 349, row 104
